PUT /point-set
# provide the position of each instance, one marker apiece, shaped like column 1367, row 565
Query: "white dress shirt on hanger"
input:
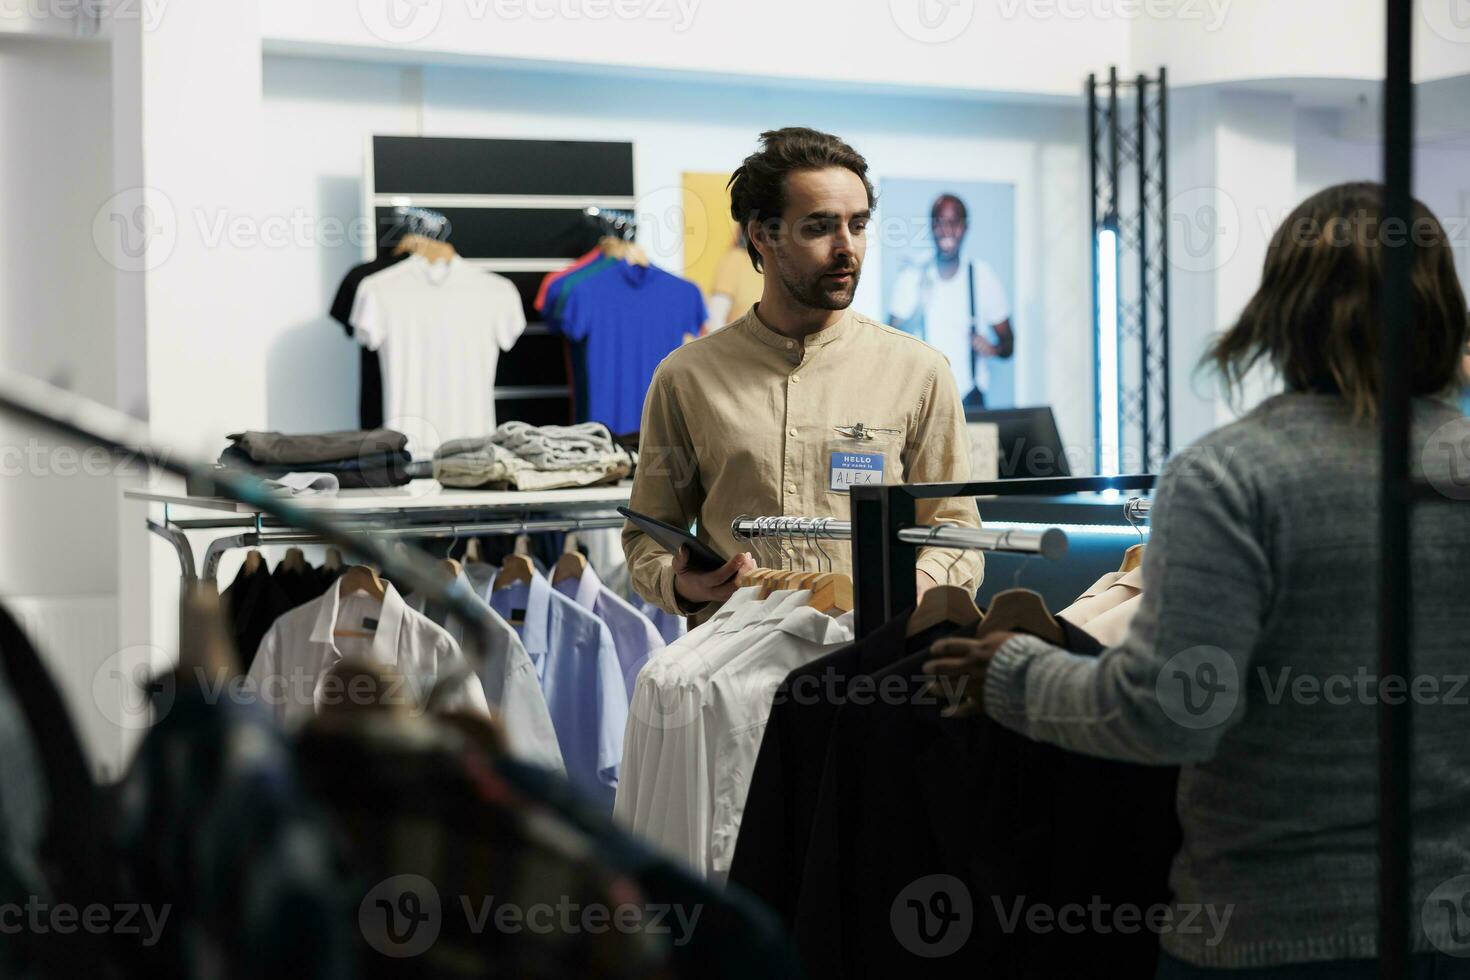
column 509, row 678
column 300, row 647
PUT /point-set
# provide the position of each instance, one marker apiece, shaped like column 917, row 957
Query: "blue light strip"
column 1108, row 430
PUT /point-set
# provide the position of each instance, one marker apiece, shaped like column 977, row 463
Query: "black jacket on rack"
column 932, row 840
column 252, row 603
column 299, row 586
column 770, row 852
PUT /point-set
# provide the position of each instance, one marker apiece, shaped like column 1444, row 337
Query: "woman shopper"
column 1252, row 660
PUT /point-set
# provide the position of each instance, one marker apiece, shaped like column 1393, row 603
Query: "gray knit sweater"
column 1252, row 663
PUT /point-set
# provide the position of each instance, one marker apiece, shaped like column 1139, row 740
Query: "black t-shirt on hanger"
column 370, row 370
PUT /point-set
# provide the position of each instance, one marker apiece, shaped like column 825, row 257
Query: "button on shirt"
column 298, row 650
column 581, row 678
column 508, row 676
column 634, row 637
column 716, row 440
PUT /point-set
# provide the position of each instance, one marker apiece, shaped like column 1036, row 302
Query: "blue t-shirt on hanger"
column 630, row 318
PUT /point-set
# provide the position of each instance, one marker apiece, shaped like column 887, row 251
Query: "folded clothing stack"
column 518, row 456
column 357, row 458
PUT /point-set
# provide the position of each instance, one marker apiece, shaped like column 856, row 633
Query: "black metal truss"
column 1128, row 147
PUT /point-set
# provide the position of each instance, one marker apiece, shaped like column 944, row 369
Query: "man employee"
column 783, row 409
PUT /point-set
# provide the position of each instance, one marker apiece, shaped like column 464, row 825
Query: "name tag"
column 855, row 469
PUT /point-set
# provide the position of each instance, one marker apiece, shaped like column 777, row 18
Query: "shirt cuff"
column 1005, row 680
column 938, row 569
column 673, row 601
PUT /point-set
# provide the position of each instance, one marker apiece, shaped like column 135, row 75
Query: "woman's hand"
column 959, row 666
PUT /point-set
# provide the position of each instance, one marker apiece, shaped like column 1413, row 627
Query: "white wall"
column 1031, row 47
column 317, row 113
column 55, row 307
column 186, row 109
column 1332, row 149
column 1212, row 41
column 58, row 514
column 315, row 117
column 948, row 45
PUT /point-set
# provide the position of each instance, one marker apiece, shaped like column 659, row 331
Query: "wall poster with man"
column 948, row 271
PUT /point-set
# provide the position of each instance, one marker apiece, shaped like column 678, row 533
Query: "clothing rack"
column 418, row 221
column 250, row 539
column 1048, row 543
column 610, row 221
column 441, row 516
column 885, row 539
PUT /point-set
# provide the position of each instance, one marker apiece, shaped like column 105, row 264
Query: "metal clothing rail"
column 885, row 547
column 217, row 548
column 1048, row 543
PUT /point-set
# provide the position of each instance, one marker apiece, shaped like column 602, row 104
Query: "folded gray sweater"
column 530, row 457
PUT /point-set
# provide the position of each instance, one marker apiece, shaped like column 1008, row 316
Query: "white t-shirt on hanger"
column 441, row 327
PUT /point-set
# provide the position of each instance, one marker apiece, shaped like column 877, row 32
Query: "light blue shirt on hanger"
column 634, row 637
column 580, row 675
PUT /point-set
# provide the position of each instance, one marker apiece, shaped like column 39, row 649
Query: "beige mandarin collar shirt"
column 744, row 421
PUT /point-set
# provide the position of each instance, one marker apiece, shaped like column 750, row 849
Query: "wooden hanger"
column 515, row 569
column 332, row 561
column 830, row 591
column 570, row 565
column 253, row 561
column 1132, row 558
column 761, row 578
column 944, row 604
column 451, row 568
column 807, row 579
column 472, row 551
column 205, row 647
column 625, row 251
column 293, row 561
column 523, row 544
column 429, row 248
column 1021, row 611
column 360, row 578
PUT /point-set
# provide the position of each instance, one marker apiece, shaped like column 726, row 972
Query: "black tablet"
column 702, row 558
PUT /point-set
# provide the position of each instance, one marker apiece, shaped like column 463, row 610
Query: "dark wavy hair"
column 1316, row 317
column 758, row 186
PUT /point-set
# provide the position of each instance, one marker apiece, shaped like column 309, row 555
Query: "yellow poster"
column 714, row 256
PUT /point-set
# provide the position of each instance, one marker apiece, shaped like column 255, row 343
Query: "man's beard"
column 814, row 293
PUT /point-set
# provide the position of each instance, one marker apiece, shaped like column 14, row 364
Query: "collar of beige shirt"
column 755, row 327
